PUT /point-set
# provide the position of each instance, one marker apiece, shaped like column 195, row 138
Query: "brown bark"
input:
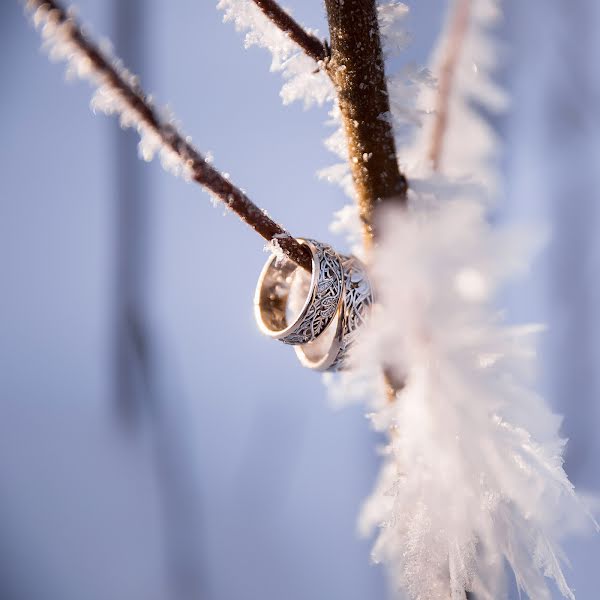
column 357, row 70
column 281, row 19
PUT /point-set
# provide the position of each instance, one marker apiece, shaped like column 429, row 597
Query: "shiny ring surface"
column 322, row 302
column 356, row 304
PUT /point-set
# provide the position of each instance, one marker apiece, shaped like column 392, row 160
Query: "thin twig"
column 311, row 44
column 196, row 165
column 357, row 70
column 456, row 34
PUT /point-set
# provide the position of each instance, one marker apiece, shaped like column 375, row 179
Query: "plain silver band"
column 355, row 306
column 320, row 307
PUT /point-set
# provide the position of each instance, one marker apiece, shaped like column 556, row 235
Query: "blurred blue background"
column 152, row 445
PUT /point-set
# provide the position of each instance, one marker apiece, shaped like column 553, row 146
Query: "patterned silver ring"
column 356, row 304
column 322, row 302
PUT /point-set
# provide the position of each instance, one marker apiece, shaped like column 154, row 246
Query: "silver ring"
column 356, row 304
column 322, row 302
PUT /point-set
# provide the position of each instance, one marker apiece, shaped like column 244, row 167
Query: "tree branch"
column 357, row 70
column 133, row 98
column 456, row 34
column 312, row 45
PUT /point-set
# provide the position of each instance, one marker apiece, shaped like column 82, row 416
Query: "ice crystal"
column 472, row 475
column 472, row 85
column 303, row 81
column 274, row 247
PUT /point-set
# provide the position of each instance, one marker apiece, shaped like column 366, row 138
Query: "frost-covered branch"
column 119, row 92
column 311, row 44
column 357, row 70
column 454, row 42
column 472, row 476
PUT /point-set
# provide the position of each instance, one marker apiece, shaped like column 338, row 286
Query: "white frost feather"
column 472, row 473
column 470, row 146
column 303, row 81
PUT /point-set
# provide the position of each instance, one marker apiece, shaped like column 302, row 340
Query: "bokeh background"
column 152, row 445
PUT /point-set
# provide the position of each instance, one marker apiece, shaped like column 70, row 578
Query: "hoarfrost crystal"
column 472, row 475
column 302, row 82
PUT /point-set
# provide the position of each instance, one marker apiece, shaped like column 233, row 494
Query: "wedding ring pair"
column 318, row 314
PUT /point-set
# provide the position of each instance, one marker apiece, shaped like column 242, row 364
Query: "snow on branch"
column 472, row 476
column 118, row 92
column 268, row 26
column 310, row 43
column 358, row 71
column 455, row 38
column 464, row 64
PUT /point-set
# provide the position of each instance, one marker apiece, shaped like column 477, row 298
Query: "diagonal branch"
column 312, row 45
column 132, row 101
